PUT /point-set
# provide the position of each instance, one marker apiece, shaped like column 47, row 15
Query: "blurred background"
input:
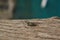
column 3, row 8
column 6, row 9
column 28, row 9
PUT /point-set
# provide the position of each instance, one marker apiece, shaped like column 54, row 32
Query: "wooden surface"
column 45, row 29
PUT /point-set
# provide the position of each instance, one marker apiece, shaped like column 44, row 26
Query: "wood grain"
column 46, row 29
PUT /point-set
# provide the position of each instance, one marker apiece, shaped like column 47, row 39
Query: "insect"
column 30, row 23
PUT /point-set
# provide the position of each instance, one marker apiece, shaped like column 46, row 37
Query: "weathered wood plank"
column 46, row 29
